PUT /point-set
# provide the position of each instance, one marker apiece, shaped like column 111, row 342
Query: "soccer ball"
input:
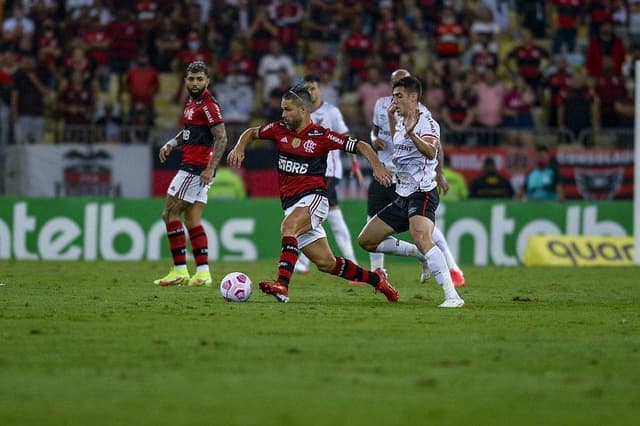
column 236, row 287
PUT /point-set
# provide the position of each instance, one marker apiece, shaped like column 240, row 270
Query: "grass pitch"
column 98, row 344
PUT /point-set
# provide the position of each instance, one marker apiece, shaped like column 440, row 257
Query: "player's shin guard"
column 177, row 242
column 438, row 267
column 288, row 259
column 200, row 248
column 342, row 234
column 350, row 271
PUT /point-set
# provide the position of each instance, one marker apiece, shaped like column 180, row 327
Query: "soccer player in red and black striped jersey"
column 302, row 161
column 203, row 140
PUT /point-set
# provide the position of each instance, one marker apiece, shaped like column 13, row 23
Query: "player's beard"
column 194, row 92
column 293, row 123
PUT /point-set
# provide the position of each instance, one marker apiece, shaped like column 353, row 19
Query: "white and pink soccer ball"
column 236, row 287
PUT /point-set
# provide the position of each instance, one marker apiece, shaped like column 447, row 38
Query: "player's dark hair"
column 198, row 66
column 312, row 78
column 411, row 85
column 299, row 95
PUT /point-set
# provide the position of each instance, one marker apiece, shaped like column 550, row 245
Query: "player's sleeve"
column 212, row 113
column 339, row 125
column 268, row 131
column 376, row 113
column 430, row 127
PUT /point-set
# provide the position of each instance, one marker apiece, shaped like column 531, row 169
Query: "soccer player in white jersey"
column 416, row 140
column 378, row 196
column 326, row 115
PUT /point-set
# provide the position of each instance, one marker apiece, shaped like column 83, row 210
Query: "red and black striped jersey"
column 302, row 158
column 199, row 116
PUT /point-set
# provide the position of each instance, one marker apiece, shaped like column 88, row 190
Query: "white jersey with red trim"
column 414, row 171
column 329, row 116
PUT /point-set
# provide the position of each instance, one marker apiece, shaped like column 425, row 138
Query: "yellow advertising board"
column 574, row 250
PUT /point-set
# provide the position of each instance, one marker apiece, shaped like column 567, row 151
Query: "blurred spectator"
column 261, row 32
column 236, row 99
column 369, row 91
column 237, row 64
column 272, row 109
column 140, row 123
column 271, row 64
column 356, row 48
column 127, row 41
column 392, row 26
column 457, row 183
column 390, row 51
column 609, row 88
column 530, row 61
column 458, row 113
column 7, row 64
column 490, row 94
column 76, row 103
column 579, row 107
column 484, row 32
column 518, row 117
column 490, row 184
column 533, row 16
column 18, row 29
column 31, row 88
column 318, row 61
column 225, row 22
column 634, row 22
column 97, row 41
column 109, row 116
column 147, row 15
column 142, row 84
column 542, row 183
column 482, row 57
column 167, row 42
column 450, row 36
column 49, row 46
column 287, row 16
column 323, row 24
column 434, row 94
column 625, row 110
column 79, row 62
column 192, row 50
column 606, row 43
column 598, row 11
column 554, row 84
column 566, row 25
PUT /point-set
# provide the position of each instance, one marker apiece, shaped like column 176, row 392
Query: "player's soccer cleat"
column 276, row 289
column 200, row 278
column 454, row 302
column 174, row 277
column 385, row 287
column 457, row 277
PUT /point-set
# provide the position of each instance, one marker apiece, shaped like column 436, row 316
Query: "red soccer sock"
column 288, row 258
column 199, row 245
column 350, row 271
column 177, row 242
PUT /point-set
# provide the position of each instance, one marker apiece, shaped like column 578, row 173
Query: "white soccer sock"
column 303, row 261
column 438, row 239
column 391, row 245
column 376, row 260
column 341, row 233
column 202, row 268
column 438, row 267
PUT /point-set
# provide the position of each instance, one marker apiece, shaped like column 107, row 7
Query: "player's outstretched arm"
column 380, row 173
column 236, row 155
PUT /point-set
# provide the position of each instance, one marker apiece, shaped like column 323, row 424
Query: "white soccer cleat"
column 454, row 302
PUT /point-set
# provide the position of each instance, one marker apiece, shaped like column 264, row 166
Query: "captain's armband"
column 350, row 145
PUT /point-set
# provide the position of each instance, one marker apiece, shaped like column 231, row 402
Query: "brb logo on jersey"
column 290, row 166
column 309, row 145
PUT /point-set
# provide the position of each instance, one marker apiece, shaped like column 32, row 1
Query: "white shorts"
column 186, row 186
column 319, row 210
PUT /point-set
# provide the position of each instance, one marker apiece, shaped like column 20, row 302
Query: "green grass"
column 98, row 344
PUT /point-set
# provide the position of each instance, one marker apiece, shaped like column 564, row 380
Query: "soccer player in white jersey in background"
column 416, row 140
column 326, row 115
column 379, row 196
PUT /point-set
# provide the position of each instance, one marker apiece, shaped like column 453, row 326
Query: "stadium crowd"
column 486, row 65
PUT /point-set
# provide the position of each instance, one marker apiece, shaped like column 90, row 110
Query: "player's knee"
column 367, row 243
column 326, row 264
